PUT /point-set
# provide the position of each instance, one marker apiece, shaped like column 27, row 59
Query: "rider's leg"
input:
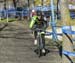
column 35, row 37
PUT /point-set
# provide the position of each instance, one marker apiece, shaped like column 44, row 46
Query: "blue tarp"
column 68, row 30
column 26, row 12
column 11, row 11
column 72, row 14
column 43, row 8
column 68, row 53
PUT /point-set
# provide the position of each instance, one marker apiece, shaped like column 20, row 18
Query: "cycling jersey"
column 37, row 23
column 33, row 21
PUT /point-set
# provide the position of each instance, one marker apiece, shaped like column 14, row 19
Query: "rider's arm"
column 33, row 20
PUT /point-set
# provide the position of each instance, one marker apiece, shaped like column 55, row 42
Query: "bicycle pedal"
column 46, row 52
column 43, row 50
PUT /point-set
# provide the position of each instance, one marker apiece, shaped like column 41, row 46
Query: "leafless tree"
column 14, row 2
column 28, row 3
column 5, row 4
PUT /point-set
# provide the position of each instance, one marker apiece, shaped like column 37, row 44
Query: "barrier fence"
column 7, row 15
column 68, row 30
column 13, row 13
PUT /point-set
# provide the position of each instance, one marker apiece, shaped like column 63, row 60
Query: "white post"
column 7, row 16
column 0, row 16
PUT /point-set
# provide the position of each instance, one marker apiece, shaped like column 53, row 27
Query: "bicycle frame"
column 41, row 50
column 41, row 39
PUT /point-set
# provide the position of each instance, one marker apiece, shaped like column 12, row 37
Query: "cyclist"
column 19, row 14
column 37, row 22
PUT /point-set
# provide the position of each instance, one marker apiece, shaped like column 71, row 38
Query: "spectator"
column 19, row 12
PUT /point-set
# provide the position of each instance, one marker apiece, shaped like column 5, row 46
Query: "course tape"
column 68, row 30
column 50, row 33
column 68, row 53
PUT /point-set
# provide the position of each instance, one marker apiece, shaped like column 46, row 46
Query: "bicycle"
column 41, row 49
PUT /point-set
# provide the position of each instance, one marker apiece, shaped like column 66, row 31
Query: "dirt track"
column 16, row 46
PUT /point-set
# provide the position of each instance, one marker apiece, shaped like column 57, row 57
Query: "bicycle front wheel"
column 41, row 44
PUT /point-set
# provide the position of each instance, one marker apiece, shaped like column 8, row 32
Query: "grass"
column 73, row 22
column 9, row 20
column 59, row 22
